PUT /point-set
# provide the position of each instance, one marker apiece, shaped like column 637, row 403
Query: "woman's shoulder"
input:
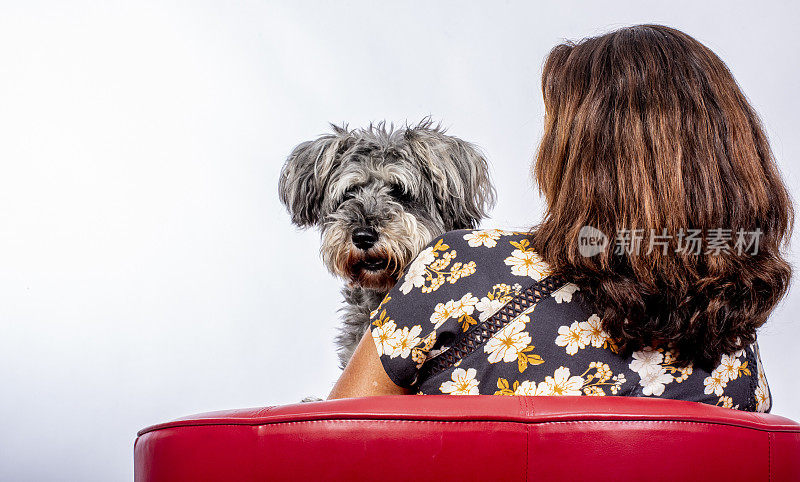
column 474, row 259
column 461, row 278
column 488, row 238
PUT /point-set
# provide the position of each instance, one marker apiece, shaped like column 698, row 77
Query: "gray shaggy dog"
column 379, row 195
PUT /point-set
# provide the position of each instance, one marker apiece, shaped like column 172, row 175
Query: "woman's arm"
column 364, row 375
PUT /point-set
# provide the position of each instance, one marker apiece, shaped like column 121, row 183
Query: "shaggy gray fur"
column 401, row 186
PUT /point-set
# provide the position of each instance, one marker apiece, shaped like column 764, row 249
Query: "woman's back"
column 646, row 133
column 479, row 313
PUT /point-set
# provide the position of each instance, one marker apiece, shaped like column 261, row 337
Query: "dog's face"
column 380, row 195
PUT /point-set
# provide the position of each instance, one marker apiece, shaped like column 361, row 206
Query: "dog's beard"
column 378, row 267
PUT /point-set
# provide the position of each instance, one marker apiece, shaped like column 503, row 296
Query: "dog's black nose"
column 364, row 238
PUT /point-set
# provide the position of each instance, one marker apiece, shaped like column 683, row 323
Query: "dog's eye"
column 398, row 193
column 349, row 194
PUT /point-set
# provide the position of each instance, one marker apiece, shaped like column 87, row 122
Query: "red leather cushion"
column 473, row 438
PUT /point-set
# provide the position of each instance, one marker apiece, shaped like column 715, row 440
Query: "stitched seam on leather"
column 769, row 456
column 345, row 419
column 573, row 422
column 527, row 449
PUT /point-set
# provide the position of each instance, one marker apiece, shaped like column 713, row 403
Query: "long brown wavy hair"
column 645, row 128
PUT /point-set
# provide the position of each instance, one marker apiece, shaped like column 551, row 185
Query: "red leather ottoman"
column 473, row 438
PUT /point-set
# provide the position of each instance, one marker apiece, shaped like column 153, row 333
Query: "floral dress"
column 477, row 312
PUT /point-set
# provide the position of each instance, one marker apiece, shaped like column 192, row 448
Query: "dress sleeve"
column 424, row 306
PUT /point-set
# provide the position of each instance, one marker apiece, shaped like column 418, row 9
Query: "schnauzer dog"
column 379, row 195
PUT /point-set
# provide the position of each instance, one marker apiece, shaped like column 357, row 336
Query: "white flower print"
column 385, row 337
column 564, row 294
column 415, row 275
column 461, row 383
column 653, row 380
column 655, row 371
column 526, row 388
column 441, row 313
column 487, row 307
column 487, row 237
column 725, row 402
column 571, row 337
column 561, row 383
column 495, row 299
column 762, row 398
column 527, row 263
column 453, row 309
column 464, row 306
column 581, row 334
column 714, row 384
column 646, row 360
column 593, row 331
column 406, row 340
column 507, row 260
column 729, row 367
column 507, row 343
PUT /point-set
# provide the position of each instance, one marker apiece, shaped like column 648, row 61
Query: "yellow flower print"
column 380, row 306
column 504, row 389
column 464, row 309
column 595, row 383
column 462, row 383
column 459, row 271
column 524, row 358
column 594, row 391
column 562, row 383
column 486, row 238
column 525, row 262
column 419, row 354
column 526, row 388
column 429, row 271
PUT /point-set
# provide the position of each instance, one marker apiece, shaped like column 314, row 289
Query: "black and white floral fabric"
column 556, row 346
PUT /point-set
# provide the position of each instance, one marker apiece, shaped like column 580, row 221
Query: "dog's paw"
column 311, row 399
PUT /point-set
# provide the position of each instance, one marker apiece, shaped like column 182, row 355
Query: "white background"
column 147, row 269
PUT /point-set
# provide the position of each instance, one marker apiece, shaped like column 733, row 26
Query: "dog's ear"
column 307, row 172
column 459, row 172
